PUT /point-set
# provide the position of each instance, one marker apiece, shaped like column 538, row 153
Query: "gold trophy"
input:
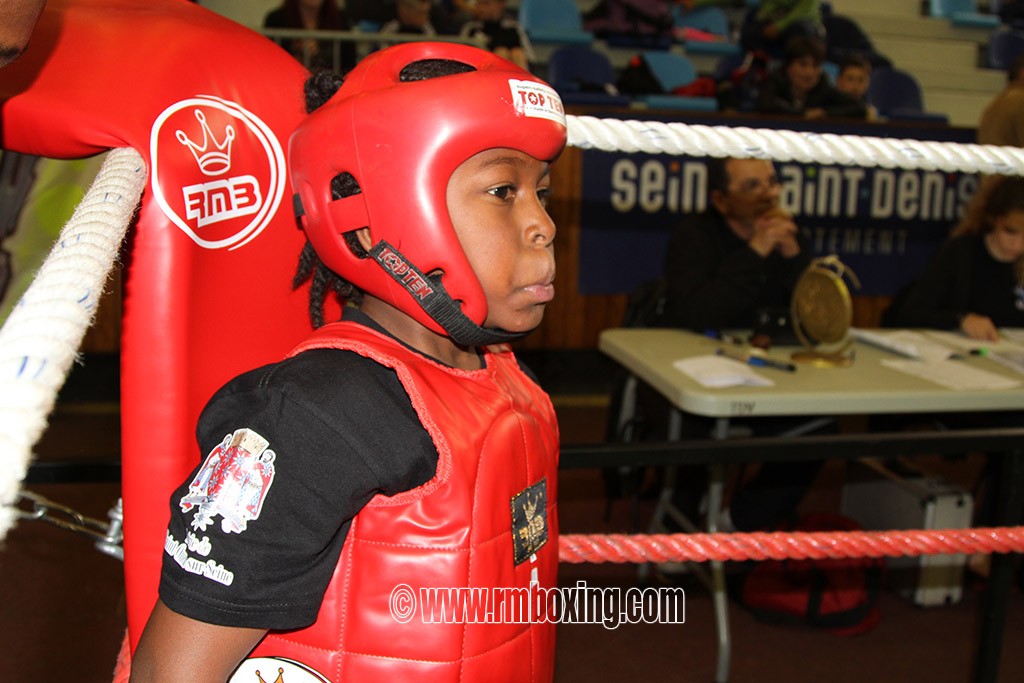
column 822, row 313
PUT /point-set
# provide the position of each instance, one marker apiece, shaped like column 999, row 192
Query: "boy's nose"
column 541, row 231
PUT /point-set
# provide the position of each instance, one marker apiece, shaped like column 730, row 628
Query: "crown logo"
column 280, row 676
column 211, row 161
column 530, row 508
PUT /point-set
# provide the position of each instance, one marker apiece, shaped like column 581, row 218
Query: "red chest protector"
column 480, row 522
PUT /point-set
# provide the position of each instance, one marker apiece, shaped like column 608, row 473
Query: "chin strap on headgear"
column 431, row 296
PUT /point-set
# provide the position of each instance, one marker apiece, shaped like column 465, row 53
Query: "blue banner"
column 882, row 223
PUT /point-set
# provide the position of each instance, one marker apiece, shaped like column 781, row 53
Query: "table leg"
column 720, row 598
column 1000, row 580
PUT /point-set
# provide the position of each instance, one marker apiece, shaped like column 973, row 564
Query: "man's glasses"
column 757, row 186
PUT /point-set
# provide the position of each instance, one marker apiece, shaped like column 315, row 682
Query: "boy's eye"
column 544, row 195
column 503, row 191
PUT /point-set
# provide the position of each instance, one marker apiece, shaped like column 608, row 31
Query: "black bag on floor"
column 838, row 595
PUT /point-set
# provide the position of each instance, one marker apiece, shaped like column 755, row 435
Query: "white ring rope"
column 39, row 341
column 655, row 137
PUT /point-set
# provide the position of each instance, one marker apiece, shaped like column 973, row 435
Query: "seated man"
column 742, row 256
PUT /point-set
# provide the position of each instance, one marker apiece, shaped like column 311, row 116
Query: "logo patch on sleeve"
column 529, row 520
column 233, row 482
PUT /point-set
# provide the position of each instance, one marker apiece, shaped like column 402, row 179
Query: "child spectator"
column 854, row 78
column 800, row 88
column 411, row 16
column 314, row 15
column 402, row 448
column 772, row 24
column 498, row 32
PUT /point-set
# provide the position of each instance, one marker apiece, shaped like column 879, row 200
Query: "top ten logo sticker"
column 218, row 171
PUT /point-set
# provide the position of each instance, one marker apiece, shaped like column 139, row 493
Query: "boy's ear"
column 365, row 241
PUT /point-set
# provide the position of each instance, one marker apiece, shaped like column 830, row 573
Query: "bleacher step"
column 897, row 8
column 963, row 109
column 887, row 24
column 972, row 81
column 908, row 53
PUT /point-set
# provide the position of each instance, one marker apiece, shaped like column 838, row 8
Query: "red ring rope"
column 622, row 548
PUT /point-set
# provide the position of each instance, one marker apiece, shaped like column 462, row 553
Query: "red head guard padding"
column 208, row 104
column 402, row 141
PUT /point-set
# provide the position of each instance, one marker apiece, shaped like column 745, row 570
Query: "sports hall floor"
column 62, row 612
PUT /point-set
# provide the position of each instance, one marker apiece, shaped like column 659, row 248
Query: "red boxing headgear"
column 402, row 141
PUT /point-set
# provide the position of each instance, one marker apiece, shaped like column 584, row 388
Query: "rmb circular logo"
column 275, row 670
column 218, row 171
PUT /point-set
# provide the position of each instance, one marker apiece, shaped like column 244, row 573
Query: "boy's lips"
column 542, row 292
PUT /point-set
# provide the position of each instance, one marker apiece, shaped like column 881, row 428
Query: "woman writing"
column 975, row 281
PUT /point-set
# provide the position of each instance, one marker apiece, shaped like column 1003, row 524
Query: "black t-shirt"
column 341, row 429
column 994, row 290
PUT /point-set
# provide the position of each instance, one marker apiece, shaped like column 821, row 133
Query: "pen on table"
column 980, row 351
column 758, row 361
column 725, row 337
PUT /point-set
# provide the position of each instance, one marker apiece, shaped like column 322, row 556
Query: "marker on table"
column 980, row 351
column 758, row 361
column 725, row 337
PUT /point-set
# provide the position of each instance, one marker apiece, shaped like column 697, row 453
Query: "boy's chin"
column 522, row 325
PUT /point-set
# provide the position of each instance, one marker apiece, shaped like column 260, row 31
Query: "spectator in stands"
column 1002, row 121
column 457, row 13
column 498, row 32
column 372, row 11
column 647, row 22
column 854, row 78
column 1011, row 12
column 314, row 15
column 17, row 21
column 722, row 267
column 411, row 16
column 773, row 23
column 975, row 281
column 799, row 86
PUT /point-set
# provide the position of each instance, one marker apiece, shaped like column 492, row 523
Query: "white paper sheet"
column 905, row 343
column 952, row 374
column 719, row 372
column 1008, row 351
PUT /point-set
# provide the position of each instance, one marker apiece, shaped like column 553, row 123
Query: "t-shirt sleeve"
column 290, row 454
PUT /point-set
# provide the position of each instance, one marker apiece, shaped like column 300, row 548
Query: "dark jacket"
column 961, row 277
column 715, row 281
column 776, row 97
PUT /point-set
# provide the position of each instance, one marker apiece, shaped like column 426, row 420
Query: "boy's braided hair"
column 319, row 88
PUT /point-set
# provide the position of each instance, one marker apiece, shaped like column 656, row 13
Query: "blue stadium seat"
column 673, row 71
column 553, row 21
column 1004, row 44
column 896, row 95
column 583, row 75
column 831, row 70
column 962, row 13
column 712, row 20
